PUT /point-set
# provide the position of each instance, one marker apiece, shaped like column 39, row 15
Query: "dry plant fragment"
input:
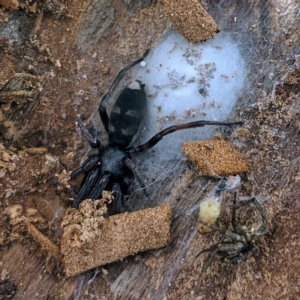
column 36, row 150
column 7, row 61
column 14, row 211
column 191, row 19
column 21, row 87
column 45, row 242
column 215, row 157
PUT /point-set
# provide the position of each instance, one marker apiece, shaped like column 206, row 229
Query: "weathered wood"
column 267, row 34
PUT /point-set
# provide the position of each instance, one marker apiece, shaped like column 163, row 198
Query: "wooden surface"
column 54, row 44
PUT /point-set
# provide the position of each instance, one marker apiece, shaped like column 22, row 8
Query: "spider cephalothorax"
column 240, row 242
column 112, row 169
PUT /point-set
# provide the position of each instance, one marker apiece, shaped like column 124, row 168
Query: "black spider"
column 112, row 168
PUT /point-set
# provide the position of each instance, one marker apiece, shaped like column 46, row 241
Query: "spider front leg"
column 88, row 182
column 210, row 258
column 206, row 264
column 103, row 183
column 88, row 164
column 93, row 184
column 156, row 138
column 225, row 249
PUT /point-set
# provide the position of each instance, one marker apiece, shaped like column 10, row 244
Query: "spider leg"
column 92, row 140
column 229, row 248
column 210, row 249
column 234, row 236
column 118, row 202
column 131, row 166
column 263, row 228
column 89, row 163
column 88, row 183
column 156, row 138
column 233, row 218
column 207, row 262
column 100, row 185
column 105, row 98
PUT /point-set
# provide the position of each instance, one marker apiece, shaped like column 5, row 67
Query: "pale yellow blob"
column 209, row 212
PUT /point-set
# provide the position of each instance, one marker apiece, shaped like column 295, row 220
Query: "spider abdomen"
column 127, row 115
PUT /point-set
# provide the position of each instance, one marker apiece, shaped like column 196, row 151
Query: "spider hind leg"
column 102, row 108
column 264, row 226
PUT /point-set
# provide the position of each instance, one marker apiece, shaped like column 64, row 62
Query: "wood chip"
column 215, row 157
column 120, row 236
column 191, row 19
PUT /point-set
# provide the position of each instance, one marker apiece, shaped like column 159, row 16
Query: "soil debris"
column 10, row 4
column 22, row 223
column 7, row 289
column 20, row 87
